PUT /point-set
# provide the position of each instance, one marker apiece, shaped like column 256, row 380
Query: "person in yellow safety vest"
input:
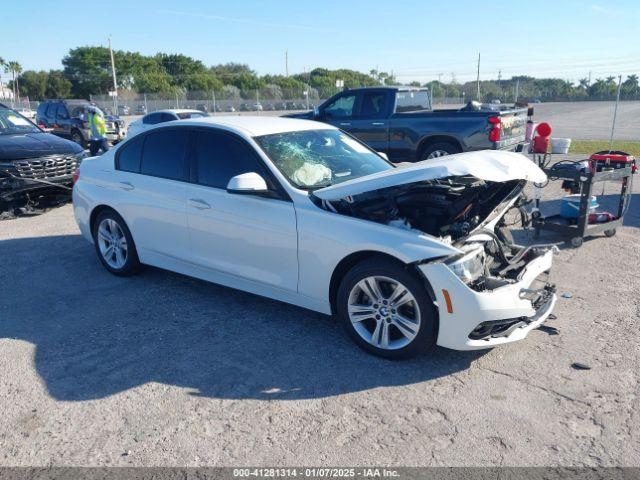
column 98, row 131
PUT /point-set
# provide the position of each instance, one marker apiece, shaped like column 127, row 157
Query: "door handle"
column 378, row 124
column 199, row 204
column 345, row 124
column 126, row 186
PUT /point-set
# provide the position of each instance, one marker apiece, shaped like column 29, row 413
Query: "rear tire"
column 386, row 310
column 114, row 244
column 439, row 149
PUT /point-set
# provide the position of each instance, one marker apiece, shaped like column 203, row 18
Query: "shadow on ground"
column 96, row 334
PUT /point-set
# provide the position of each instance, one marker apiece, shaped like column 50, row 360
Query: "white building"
column 5, row 93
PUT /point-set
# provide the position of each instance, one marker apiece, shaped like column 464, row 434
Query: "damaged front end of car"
column 493, row 290
column 36, row 183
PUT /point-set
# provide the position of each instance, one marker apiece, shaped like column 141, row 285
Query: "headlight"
column 470, row 265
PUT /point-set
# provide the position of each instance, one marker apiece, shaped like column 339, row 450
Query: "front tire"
column 386, row 310
column 114, row 244
column 77, row 137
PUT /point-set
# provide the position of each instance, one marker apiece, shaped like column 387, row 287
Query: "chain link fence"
column 228, row 100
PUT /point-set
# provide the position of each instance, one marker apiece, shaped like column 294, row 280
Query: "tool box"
column 615, row 160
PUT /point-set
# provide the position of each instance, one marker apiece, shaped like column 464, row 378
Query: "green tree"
column 58, row 86
column 2, row 65
column 34, row 84
column 630, row 87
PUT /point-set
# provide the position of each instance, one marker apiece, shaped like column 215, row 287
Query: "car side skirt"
column 185, row 268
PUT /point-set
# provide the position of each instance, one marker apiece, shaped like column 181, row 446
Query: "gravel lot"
column 160, row 369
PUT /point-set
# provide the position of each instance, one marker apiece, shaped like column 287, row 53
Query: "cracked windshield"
column 318, row 158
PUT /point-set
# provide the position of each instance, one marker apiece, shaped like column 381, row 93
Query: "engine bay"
column 454, row 209
column 451, row 207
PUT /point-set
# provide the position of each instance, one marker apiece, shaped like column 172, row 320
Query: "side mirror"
column 247, row 183
column 383, row 155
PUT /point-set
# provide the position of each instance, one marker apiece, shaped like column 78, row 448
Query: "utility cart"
column 581, row 179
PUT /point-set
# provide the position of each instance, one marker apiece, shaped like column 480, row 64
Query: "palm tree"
column 2, row 64
column 16, row 69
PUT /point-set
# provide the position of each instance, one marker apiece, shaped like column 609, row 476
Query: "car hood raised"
column 489, row 165
column 30, row 145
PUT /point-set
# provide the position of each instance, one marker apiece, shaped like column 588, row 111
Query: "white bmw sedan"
column 301, row 212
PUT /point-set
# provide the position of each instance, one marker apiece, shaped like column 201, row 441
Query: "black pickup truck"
column 400, row 122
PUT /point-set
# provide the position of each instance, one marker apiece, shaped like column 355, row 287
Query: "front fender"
column 326, row 238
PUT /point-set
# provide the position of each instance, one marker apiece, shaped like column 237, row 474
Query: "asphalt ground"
column 160, row 369
column 576, row 120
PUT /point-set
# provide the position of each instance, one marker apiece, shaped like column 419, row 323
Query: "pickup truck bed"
column 401, row 123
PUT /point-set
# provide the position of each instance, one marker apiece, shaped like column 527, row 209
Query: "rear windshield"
column 12, row 123
column 412, row 101
column 185, row 115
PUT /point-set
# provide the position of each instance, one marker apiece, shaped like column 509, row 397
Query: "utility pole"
column 589, row 84
column 615, row 113
column 286, row 62
column 500, row 83
column 478, row 77
column 115, row 85
column 517, row 90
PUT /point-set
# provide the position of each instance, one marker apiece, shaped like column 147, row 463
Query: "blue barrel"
column 570, row 206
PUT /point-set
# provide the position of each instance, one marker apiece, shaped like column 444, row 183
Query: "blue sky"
column 416, row 39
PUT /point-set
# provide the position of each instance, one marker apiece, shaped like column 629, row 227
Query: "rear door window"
column 62, row 111
column 51, row 110
column 129, row 155
column 167, row 117
column 164, row 152
column 373, row 105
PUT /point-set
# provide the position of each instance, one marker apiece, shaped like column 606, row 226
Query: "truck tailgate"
column 512, row 128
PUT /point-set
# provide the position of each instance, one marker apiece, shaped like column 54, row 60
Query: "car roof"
column 256, row 126
column 176, row 110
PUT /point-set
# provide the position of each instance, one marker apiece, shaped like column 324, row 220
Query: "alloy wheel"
column 112, row 243
column 437, row 154
column 384, row 312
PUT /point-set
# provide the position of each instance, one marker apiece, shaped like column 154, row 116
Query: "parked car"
column 202, row 107
column 244, row 107
column 68, row 119
column 27, row 113
column 281, row 106
column 35, row 167
column 141, row 110
column 257, row 107
column 162, row 116
column 301, row 212
column 123, row 110
column 229, row 108
column 401, row 123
